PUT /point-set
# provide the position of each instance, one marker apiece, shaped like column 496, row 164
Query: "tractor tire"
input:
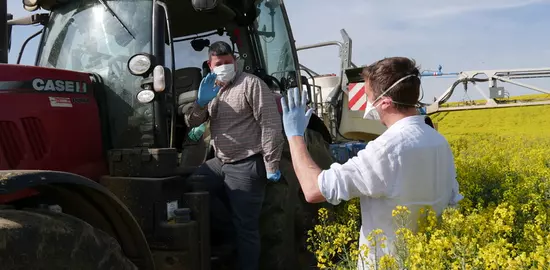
column 40, row 239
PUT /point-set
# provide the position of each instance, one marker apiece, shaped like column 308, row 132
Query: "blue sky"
column 459, row 35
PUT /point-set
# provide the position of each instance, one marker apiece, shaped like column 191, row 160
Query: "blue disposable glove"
column 274, row 177
column 207, row 90
column 196, row 132
column 295, row 117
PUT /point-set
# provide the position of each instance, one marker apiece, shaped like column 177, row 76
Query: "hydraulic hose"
column 25, row 45
column 450, row 93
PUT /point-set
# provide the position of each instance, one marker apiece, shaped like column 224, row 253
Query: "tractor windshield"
column 274, row 38
column 99, row 37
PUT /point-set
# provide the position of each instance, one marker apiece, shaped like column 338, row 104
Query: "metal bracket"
column 345, row 53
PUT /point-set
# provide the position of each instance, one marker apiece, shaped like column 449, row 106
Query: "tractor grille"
column 11, row 143
column 36, row 135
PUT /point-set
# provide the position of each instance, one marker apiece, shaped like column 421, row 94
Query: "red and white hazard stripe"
column 357, row 99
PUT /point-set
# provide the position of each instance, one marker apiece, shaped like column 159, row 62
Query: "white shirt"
column 410, row 164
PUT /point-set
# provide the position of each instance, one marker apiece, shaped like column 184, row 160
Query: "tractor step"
column 223, row 257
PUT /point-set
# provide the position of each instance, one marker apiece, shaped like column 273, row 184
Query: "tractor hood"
column 48, row 119
column 42, row 80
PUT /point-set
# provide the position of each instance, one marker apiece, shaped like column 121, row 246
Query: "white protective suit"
column 410, row 164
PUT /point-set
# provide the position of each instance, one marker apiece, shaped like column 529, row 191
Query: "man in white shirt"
column 410, row 164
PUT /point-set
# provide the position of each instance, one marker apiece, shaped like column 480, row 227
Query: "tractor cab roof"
column 187, row 19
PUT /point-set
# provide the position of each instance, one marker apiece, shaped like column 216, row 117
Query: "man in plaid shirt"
column 247, row 134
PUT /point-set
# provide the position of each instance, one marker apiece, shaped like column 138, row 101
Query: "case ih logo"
column 59, row 86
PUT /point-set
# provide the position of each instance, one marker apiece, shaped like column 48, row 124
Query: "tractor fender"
column 87, row 200
column 316, row 124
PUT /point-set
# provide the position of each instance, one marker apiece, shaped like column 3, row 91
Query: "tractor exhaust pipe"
column 3, row 31
column 4, row 37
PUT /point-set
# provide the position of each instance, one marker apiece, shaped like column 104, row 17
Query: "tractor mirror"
column 273, row 4
column 308, row 88
column 204, row 5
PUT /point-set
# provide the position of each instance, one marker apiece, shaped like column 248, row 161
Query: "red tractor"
column 95, row 161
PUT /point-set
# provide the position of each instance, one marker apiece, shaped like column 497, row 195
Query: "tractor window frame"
column 282, row 62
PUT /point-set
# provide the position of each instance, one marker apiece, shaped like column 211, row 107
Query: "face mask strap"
column 407, row 104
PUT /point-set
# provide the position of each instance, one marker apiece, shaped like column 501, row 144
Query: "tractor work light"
column 30, row 8
column 140, row 64
column 145, row 96
column 30, row 2
column 159, row 81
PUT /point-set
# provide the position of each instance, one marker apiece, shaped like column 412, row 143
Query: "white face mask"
column 370, row 111
column 225, row 73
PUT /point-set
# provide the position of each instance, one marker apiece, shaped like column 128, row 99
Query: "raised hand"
column 295, row 117
column 207, row 90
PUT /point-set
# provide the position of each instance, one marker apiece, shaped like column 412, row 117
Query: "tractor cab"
column 150, row 56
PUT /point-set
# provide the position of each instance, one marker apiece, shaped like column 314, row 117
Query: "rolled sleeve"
column 369, row 174
column 196, row 115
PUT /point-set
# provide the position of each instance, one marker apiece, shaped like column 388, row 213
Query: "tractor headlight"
column 139, row 64
column 145, row 96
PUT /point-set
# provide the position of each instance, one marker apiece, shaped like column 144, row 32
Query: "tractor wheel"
column 37, row 239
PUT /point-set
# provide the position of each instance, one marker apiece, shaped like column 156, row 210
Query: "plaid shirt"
column 244, row 121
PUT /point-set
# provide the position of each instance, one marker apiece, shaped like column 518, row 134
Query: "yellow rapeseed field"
column 523, row 98
column 533, row 121
column 502, row 158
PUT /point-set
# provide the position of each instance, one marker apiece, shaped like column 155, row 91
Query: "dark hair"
column 220, row 48
column 382, row 74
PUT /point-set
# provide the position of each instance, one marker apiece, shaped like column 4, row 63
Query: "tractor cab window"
column 274, row 39
column 194, row 52
column 86, row 35
column 99, row 37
